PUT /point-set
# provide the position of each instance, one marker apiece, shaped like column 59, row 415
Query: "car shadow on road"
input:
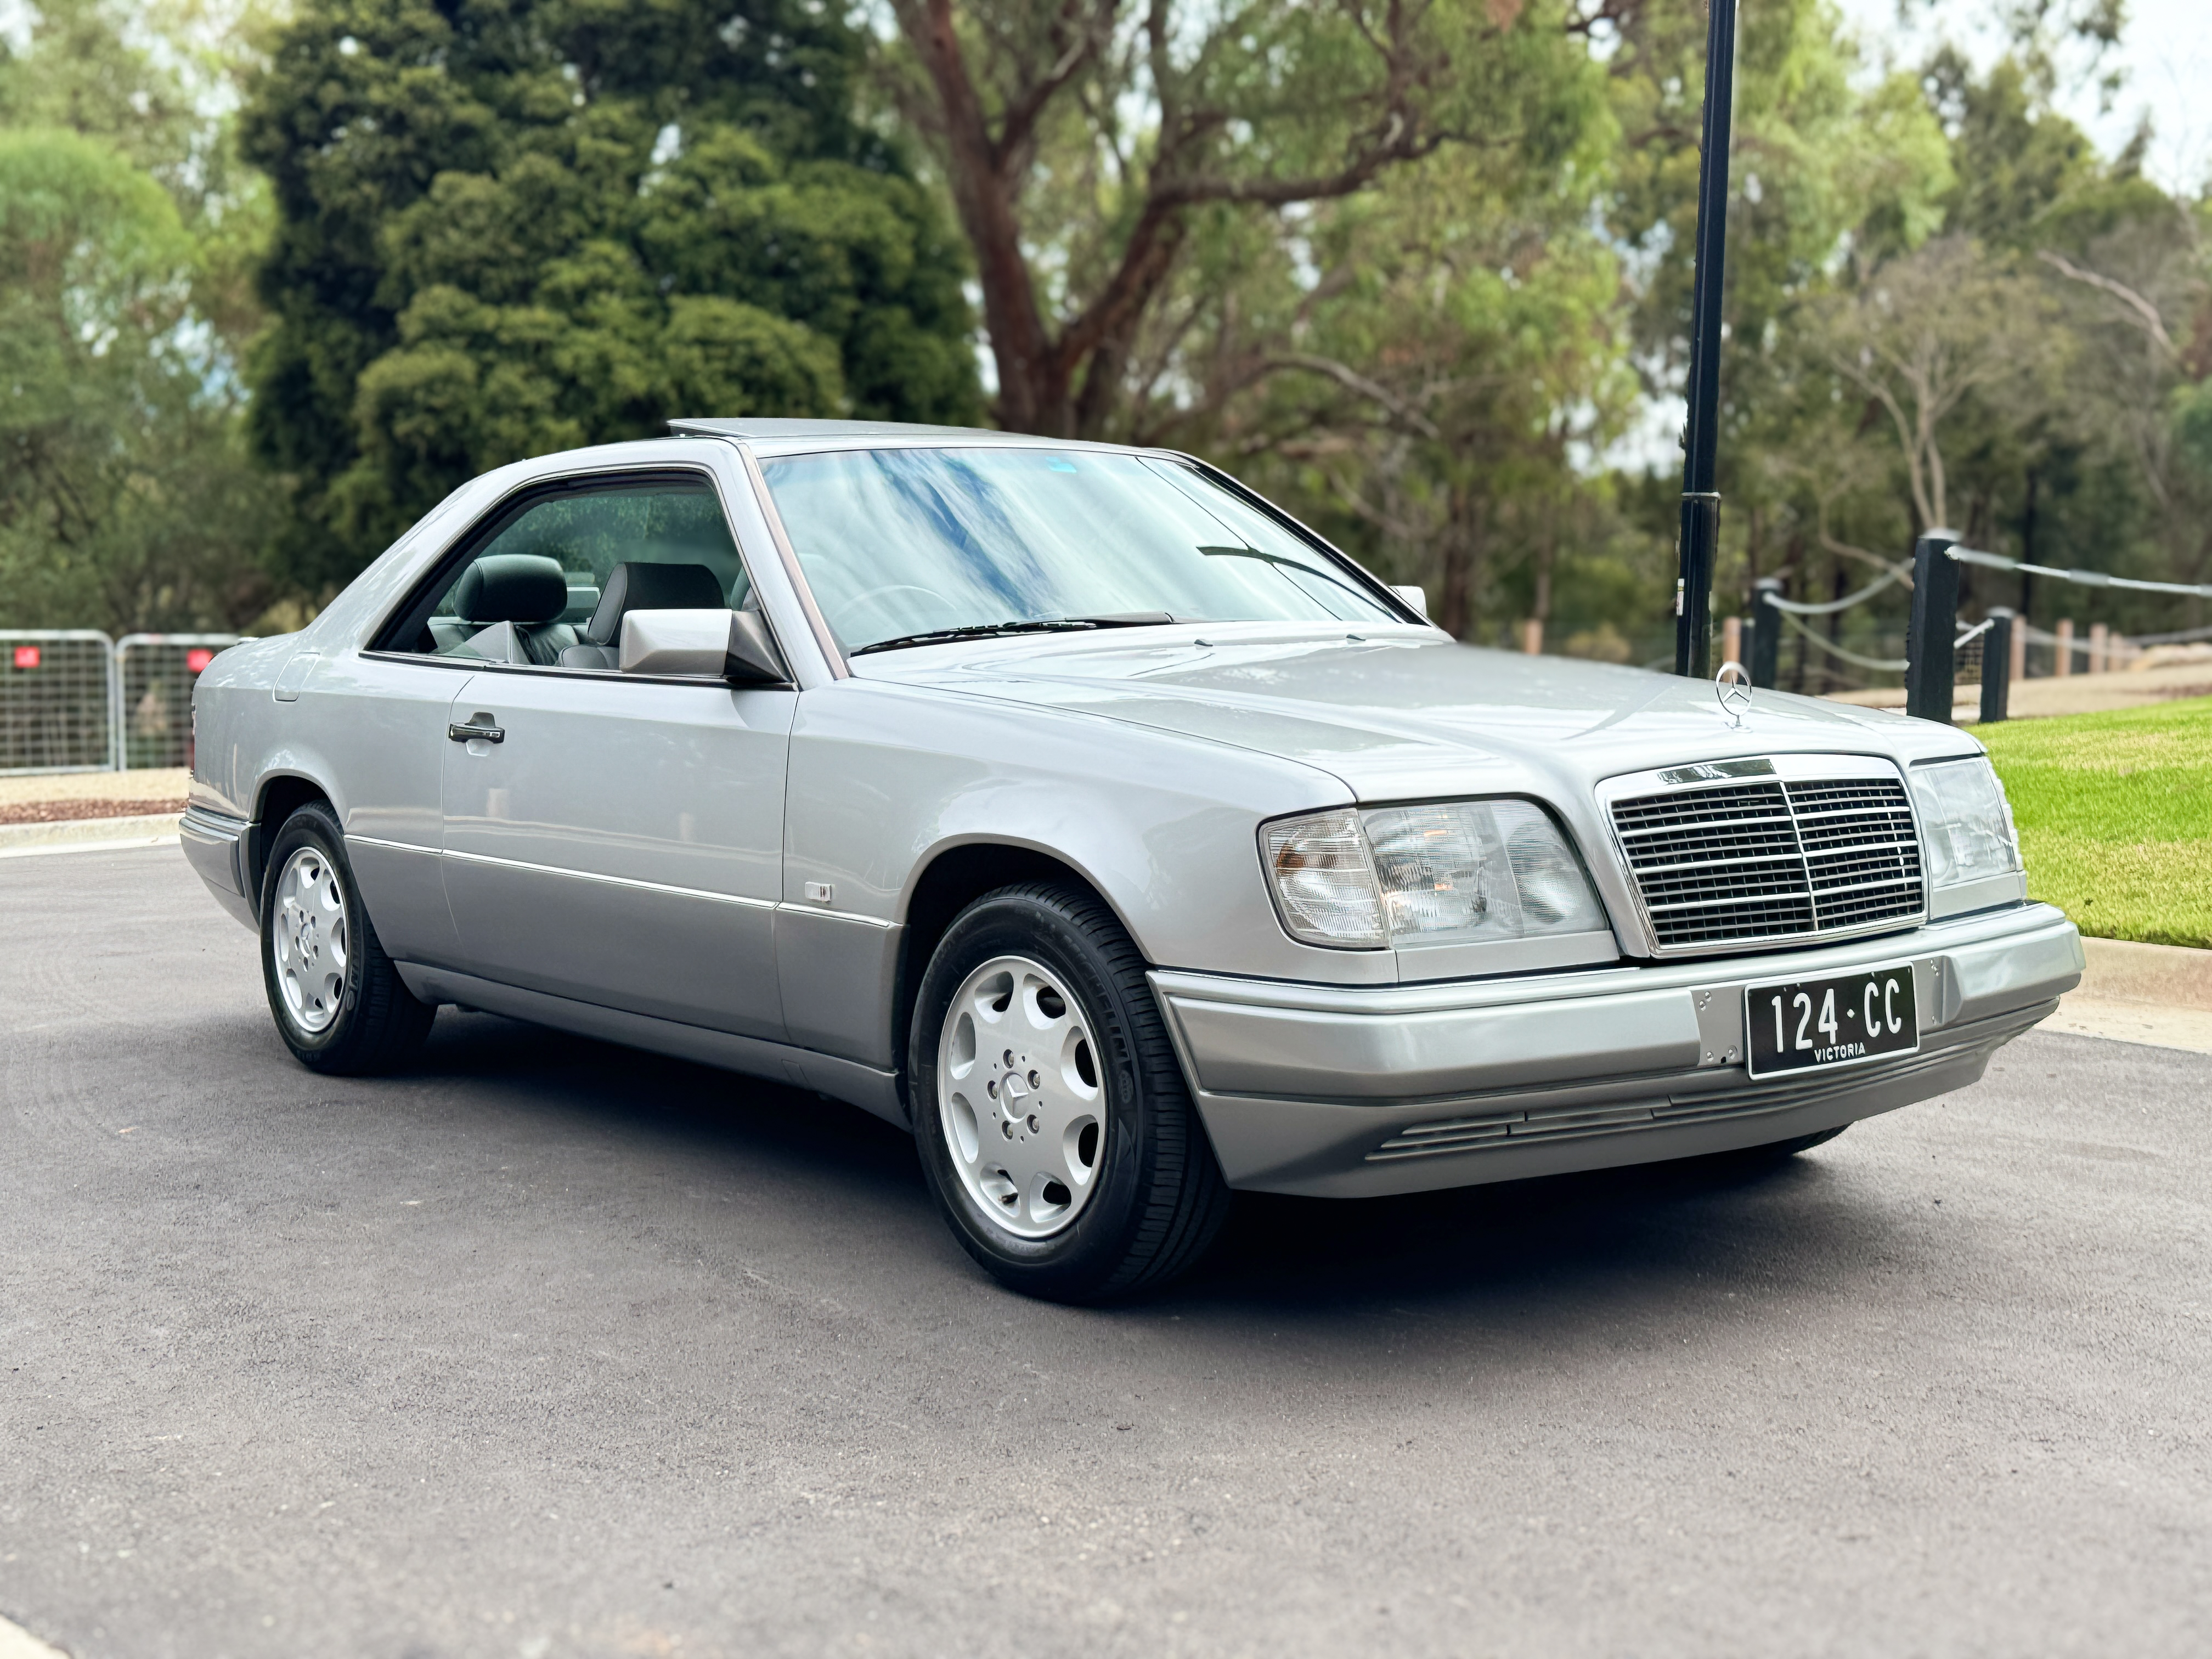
column 722, row 1115
column 1594, row 1234
column 1697, row 1215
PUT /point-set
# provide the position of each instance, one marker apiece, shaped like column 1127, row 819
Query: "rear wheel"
column 338, row 1002
column 1049, row 1112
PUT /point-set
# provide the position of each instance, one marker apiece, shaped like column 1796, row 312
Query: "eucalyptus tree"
column 1086, row 144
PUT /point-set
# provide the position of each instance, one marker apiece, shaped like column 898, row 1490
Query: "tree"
column 2137, row 291
column 507, row 228
column 1083, row 140
column 127, row 500
column 1414, row 371
column 1923, row 334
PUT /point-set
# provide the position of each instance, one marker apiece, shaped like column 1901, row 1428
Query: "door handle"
column 479, row 726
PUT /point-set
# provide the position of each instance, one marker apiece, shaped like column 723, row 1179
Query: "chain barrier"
column 1883, row 665
column 2185, row 636
column 2097, row 649
column 1792, row 607
column 2081, row 578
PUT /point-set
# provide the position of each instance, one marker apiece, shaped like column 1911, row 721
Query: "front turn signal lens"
column 1324, row 879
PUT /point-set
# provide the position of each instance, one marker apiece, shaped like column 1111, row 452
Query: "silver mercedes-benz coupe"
column 1076, row 808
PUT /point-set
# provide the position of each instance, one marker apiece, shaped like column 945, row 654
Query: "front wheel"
column 338, row 1002
column 1050, row 1114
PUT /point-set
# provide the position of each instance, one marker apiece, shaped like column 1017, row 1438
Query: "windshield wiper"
column 1042, row 625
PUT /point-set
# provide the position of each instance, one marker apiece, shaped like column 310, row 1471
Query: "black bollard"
column 1931, row 660
column 1766, row 634
column 1996, row 665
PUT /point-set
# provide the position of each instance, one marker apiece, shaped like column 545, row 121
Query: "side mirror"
column 1416, row 597
column 724, row 645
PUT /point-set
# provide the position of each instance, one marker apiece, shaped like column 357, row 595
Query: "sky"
column 2165, row 51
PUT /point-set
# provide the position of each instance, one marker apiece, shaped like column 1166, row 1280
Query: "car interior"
column 551, row 587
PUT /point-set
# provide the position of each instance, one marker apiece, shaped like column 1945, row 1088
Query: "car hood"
column 1397, row 713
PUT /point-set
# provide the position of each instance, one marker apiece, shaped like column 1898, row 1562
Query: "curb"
column 87, row 834
column 2171, row 974
column 2156, row 994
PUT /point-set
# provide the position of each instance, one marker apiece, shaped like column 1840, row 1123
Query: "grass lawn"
column 2115, row 815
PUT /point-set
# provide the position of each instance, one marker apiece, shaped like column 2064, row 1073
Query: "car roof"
column 791, row 437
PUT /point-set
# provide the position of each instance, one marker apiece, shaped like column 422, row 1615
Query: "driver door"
column 621, row 843
column 607, row 838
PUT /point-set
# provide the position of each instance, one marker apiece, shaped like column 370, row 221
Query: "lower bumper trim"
column 1471, row 1134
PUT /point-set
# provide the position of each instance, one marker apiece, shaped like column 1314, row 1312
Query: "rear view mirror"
column 724, row 645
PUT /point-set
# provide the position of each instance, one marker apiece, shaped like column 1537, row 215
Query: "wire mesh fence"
column 153, row 675
column 54, row 700
column 71, row 700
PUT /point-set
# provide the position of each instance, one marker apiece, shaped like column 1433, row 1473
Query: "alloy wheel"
column 1019, row 1096
column 308, row 940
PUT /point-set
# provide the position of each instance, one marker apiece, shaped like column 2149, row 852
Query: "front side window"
column 902, row 543
column 548, row 579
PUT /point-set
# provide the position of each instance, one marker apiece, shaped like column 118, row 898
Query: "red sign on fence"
column 198, row 659
column 26, row 656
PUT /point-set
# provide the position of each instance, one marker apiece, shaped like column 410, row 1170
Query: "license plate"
column 1806, row 1025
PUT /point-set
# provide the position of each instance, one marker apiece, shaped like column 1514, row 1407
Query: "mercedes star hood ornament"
column 1732, row 687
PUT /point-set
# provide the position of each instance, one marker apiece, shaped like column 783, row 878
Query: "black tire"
column 1780, row 1152
column 1160, row 1199
column 377, row 1022
column 1804, row 1143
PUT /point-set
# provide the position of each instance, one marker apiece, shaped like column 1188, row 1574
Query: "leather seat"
column 640, row 586
column 527, row 589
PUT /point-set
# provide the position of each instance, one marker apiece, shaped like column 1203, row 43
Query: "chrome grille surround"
column 1767, row 851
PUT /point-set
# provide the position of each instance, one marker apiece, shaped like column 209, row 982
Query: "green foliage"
column 2111, row 818
column 1413, row 268
column 507, row 228
column 127, row 501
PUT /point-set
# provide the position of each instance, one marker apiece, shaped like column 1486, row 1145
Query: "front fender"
column 884, row 777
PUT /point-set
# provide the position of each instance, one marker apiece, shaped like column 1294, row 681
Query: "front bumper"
column 1357, row 1092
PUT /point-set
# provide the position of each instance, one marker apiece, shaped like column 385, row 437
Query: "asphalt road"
column 549, row 1348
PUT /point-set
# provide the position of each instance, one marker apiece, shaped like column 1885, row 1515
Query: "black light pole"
column 1701, row 502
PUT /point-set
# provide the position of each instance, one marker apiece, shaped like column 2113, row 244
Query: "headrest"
column 653, row 587
column 518, row 587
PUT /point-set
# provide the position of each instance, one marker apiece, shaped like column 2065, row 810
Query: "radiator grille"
column 1772, row 859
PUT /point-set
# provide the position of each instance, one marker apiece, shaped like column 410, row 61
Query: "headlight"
column 1965, row 821
column 1449, row 873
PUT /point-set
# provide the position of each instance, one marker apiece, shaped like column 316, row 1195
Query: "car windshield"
column 900, row 543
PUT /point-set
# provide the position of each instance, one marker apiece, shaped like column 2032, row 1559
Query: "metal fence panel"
column 154, row 676
column 55, row 697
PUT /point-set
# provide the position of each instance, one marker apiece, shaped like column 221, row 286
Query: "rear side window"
column 531, row 585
